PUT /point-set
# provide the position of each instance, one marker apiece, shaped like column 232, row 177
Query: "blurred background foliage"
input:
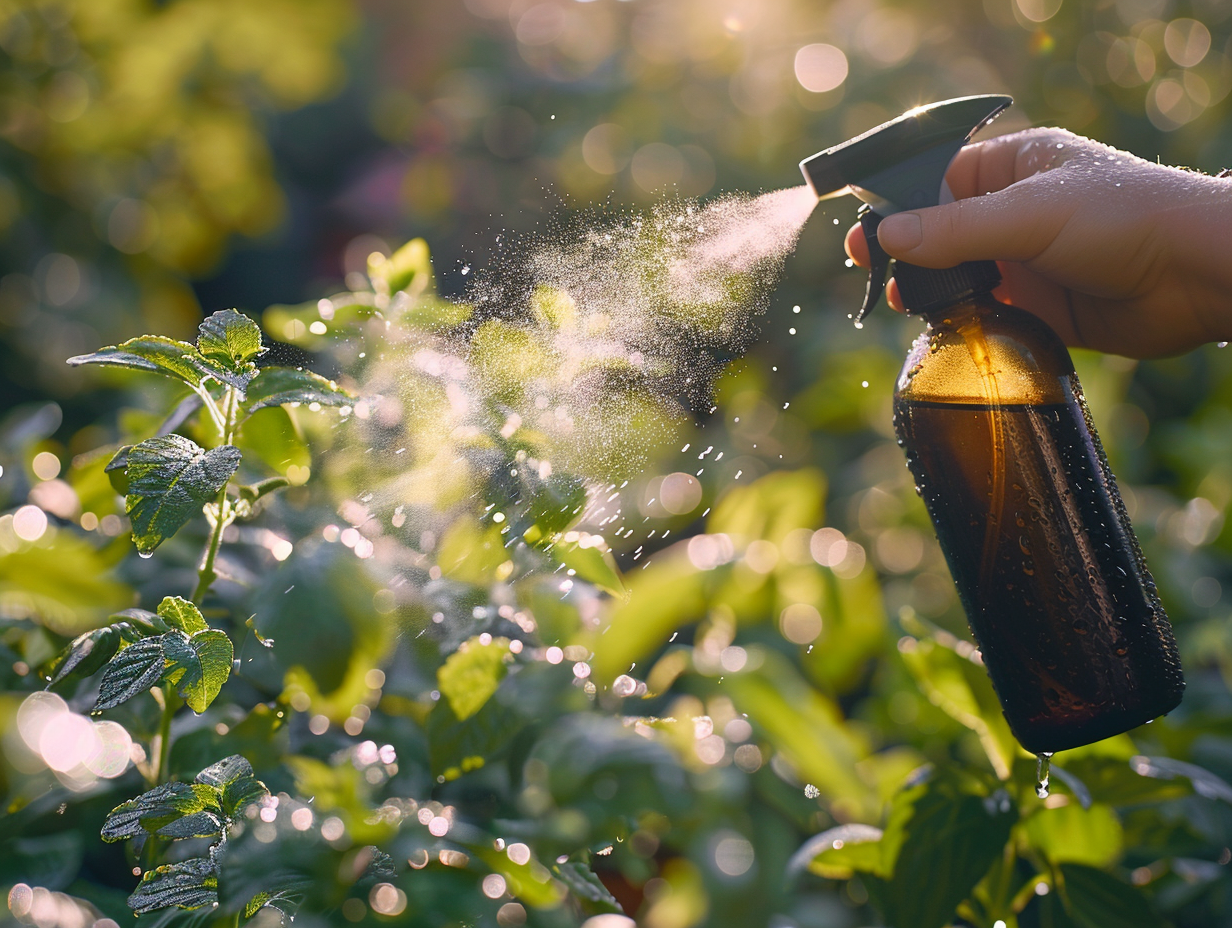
column 777, row 672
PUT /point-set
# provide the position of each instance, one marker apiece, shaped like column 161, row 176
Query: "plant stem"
column 206, row 575
column 171, row 702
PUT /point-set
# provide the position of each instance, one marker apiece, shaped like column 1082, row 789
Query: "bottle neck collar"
column 927, row 290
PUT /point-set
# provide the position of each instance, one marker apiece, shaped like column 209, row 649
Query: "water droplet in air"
column 466, row 269
column 1043, row 763
column 811, row 791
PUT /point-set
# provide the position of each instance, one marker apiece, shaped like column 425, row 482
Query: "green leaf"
column 170, row 479
column 179, row 613
column 194, row 825
column 198, row 666
column 590, row 564
column 274, row 386
column 157, row 808
column 115, row 470
column 152, row 353
column 230, row 338
column 1096, row 899
column 961, row 689
column 189, row 884
column 234, row 779
column 255, row 904
column 406, row 266
column 85, row 654
column 1204, row 782
column 1072, row 834
column 130, row 673
column 949, row 839
column 839, row 852
column 585, row 884
column 471, row 675
column 143, row 621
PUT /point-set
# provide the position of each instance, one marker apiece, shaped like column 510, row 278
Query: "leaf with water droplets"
column 275, row 386
column 151, row 353
column 230, row 338
column 189, row 884
column 234, row 779
column 198, row 666
column 194, row 825
column 179, row 613
column 591, row 564
column 585, row 884
column 170, row 479
column 85, row 654
column 130, row 673
column 157, row 808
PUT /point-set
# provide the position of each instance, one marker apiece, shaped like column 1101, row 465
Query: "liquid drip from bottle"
column 1043, row 763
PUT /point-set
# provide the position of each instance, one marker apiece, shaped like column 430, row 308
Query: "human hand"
column 1113, row 252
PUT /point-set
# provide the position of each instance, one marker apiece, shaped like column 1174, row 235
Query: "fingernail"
column 900, row 232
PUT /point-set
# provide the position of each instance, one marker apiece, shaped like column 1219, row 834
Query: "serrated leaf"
column 471, row 675
column 179, row 613
column 189, row 884
column 947, row 841
column 255, row 904
column 274, row 386
column 154, row 809
column 170, row 479
column 130, row 673
column 233, row 777
column 198, row 666
column 230, row 338
column 85, row 654
column 380, row 864
column 151, row 353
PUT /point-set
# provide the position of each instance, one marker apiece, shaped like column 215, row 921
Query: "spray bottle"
column 1004, row 453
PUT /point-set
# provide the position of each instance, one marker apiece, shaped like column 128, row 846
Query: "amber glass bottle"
column 1058, row 596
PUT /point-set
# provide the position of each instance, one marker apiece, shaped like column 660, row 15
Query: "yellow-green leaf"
column 471, row 675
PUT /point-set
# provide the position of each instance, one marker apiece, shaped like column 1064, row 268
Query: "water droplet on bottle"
column 1043, row 763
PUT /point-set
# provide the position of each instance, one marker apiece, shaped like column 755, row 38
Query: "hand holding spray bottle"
column 1003, row 451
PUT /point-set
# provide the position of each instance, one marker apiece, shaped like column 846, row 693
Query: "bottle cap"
column 901, row 165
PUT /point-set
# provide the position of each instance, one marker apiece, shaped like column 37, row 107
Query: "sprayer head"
column 901, row 165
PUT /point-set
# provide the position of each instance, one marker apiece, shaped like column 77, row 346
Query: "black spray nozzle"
column 899, row 165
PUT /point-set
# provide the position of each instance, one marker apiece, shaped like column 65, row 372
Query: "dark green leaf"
column 145, row 622
column 274, row 386
column 151, row 353
column 155, row 809
column 86, row 654
column 233, row 777
column 584, row 884
column 194, row 825
column 189, row 884
column 949, row 840
column 179, row 613
column 116, row 470
column 230, row 338
column 379, row 865
column 198, row 666
column 1099, row 900
column 131, row 672
column 170, row 479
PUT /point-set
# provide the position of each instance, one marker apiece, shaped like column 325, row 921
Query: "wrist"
column 1201, row 254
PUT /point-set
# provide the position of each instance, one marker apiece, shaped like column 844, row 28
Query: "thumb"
column 1013, row 224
